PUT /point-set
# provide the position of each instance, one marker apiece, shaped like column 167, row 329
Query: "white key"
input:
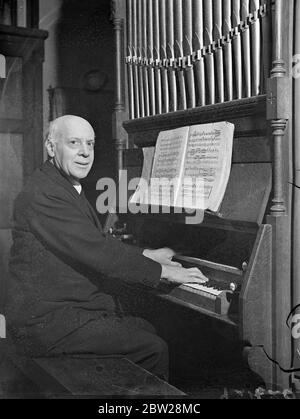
column 203, row 288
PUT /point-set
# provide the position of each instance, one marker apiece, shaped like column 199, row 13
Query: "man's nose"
column 84, row 150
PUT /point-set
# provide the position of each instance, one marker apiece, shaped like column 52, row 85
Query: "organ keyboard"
column 205, row 297
column 219, row 294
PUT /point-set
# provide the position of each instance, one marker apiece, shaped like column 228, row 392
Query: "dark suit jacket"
column 61, row 261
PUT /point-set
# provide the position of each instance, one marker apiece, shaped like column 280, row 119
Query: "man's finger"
column 175, row 264
column 196, row 281
column 198, row 278
column 170, row 251
column 195, row 272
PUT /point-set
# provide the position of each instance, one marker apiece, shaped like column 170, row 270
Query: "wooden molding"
column 210, row 113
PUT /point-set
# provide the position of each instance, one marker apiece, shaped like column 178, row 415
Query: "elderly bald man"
column 62, row 264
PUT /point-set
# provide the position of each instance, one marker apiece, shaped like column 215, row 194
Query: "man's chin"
column 80, row 174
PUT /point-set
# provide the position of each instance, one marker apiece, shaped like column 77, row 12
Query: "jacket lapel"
column 79, row 200
column 90, row 210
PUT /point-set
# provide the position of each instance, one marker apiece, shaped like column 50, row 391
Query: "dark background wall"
column 79, row 65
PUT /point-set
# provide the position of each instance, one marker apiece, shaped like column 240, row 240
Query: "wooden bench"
column 84, row 377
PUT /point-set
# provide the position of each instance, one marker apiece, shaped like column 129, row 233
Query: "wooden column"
column 296, row 195
column 279, row 112
column 277, row 109
column 278, row 131
column 120, row 114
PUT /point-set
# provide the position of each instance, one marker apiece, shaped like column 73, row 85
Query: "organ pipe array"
column 183, row 54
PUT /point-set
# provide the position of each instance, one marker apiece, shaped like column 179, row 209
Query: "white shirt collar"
column 78, row 188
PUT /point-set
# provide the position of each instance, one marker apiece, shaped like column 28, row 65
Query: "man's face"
column 74, row 149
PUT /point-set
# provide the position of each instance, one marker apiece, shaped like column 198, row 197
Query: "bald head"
column 70, row 146
column 68, row 124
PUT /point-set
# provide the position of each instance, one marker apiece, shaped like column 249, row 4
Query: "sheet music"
column 189, row 168
column 169, row 151
column 168, row 165
column 207, row 165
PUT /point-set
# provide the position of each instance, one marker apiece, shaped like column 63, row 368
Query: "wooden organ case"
column 185, row 62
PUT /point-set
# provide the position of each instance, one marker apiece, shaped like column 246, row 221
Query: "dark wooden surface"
column 33, row 13
column 84, row 377
column 21, row 115
column 246, row 114
column 248, row 191
column 27, row 44
column 255, row 309
column 105, row 377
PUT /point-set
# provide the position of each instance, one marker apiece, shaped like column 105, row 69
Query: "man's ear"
column 50, row 147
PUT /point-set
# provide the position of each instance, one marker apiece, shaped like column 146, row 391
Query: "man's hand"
column 179, row 275
column 162, row 256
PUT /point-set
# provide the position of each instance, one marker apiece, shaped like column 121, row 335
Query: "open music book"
column 189, row 168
